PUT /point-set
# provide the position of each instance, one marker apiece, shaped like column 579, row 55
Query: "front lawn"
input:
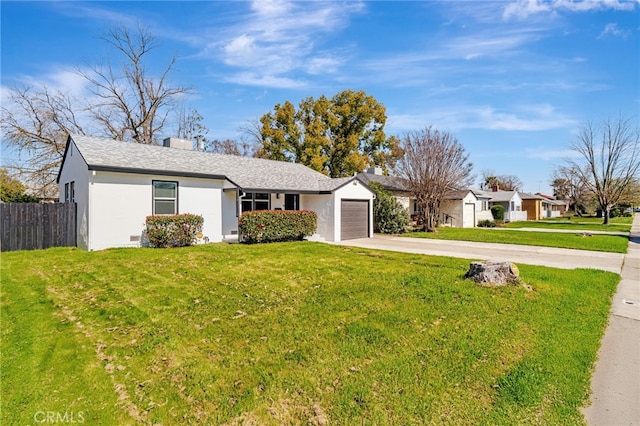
column 292, row 333
column 578, row 240
column 617, row 224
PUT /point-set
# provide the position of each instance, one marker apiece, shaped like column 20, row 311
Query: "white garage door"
column 354, row 221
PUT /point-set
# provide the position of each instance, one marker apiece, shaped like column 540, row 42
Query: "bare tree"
column 190, row 127
column 505, row 182
column 608, row 160
column 433, row 164
column 36, row 122
column 567, row 185
column 229, row 147
column 510, row 182
column 131, row 105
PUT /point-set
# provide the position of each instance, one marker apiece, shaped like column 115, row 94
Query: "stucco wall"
column 230, row 211
column 76, row 170
column 451, row 213
column 323, row 206
column 120, row 203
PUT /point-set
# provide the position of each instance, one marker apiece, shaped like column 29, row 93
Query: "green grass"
column 293, row 333
column 607, row 243
column 617, row 224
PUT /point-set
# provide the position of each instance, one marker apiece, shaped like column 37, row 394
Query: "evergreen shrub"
column 277, row 225
column 173, row 230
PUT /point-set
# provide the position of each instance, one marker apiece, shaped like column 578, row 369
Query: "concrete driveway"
column 530, row 255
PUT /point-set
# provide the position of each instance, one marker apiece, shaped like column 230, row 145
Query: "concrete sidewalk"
column 615, row 384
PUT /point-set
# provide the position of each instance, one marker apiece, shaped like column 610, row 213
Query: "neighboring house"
column 534, row 205
column 483, row 210
column 458, row 209
column 553, row 207
column 392, row 184
column 510, row 200
column 116, row 185
column 539, row 206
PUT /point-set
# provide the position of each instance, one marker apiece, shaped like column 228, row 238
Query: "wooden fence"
column 30, row 226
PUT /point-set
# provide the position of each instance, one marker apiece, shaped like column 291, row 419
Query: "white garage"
column 354, row 221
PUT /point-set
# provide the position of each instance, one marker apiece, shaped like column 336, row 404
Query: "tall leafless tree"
column 505, row 182
column 36, row 122
column 190, row 127
column 568, row 185
column 130, row 104
column 608, row 160
column 434, row 163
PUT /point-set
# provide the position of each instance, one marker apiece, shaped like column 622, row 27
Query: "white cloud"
column 542, row 153
column 322, row 65
column 522, row 9
column 262, row 80
column 280, row 39
column 240, row 50
column 529, row 118
column 613, row 30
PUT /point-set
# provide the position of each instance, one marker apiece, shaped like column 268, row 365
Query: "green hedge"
column 497, row 212
column 173, row 230
column 277, row 225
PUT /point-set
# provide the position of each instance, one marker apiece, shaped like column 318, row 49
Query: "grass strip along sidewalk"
column 579, row 240
column 618, row 224
column 293, row 333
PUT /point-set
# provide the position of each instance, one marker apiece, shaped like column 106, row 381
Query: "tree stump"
column 494, row 273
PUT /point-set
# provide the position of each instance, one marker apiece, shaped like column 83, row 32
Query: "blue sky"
column 513, row 81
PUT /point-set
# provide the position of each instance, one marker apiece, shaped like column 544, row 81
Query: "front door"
column 291, row 201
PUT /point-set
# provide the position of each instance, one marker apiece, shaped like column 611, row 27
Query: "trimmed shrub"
column 265, row 226
column 173, row 230
column 486, row 223
column 497, row 212
column 389, row 216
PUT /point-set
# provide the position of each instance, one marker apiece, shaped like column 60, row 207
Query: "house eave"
column 133, row 170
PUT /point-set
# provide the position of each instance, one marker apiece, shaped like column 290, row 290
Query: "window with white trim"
column 255, row 201
column 165, row 197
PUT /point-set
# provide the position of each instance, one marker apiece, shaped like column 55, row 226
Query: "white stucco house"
column 510, row 200
column 460, row 208
column 116, row 185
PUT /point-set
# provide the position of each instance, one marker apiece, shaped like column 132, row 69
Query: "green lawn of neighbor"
column 617, row 224
column 293, row 333
column 608, row 243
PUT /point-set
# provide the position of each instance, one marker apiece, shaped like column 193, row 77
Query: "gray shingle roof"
column 390, row 183
column 529, row 196
column 246, row 172
column 458, row 194
column 496, row 196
